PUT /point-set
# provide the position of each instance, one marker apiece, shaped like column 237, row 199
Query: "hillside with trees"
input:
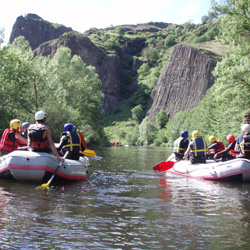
column 71, row 90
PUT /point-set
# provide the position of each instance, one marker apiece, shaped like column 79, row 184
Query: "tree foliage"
column 64, row 87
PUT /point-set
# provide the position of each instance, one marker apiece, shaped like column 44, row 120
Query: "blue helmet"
column 184, row 134
column 25, row 125
column 68, row 127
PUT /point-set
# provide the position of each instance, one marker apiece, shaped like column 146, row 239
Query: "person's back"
column 181, row 145
column 216, row 147
column 70, row 142
column 38, row 138
column 245, row 143
column 81, row 135
column 228, row 153
column 197, row 149
column 11, row 138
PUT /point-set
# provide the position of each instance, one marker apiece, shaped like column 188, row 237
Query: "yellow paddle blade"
column 89, row 152
column 43, row 186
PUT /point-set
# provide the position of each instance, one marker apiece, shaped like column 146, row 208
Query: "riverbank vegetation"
column 68, row 90
column 30, row 83
column 222, row 109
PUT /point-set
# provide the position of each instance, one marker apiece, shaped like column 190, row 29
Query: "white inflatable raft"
column 24, row 165
column 236, row 169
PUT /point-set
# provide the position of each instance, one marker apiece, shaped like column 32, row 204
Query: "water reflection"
column 125, row 205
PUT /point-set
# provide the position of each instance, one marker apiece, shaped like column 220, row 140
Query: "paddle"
column 89, row 152
column 163, row 166
column 46, row 185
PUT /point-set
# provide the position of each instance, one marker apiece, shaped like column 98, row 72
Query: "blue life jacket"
column 179, row 145
column 198, row 148
column 74, row 142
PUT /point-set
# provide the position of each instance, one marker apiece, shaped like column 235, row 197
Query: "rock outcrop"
column 183, row 82
column 36, row 30
column 181, row 85
column 45, row 38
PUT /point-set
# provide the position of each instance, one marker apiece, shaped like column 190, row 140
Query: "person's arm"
column 62, row 142
column 52, row 146
column 187, row 153
column 18, row 136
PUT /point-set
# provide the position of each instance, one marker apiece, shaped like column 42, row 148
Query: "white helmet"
column 40, row 115
column 245, row 128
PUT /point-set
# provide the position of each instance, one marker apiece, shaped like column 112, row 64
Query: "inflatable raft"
column 236, row 169
column 23, row 165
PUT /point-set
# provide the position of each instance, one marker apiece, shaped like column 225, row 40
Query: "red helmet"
column 230, row 138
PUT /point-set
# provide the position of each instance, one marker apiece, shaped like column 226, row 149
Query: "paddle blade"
column 166, row 165
column 89, row 152
column 157, row 167
column 44, row 186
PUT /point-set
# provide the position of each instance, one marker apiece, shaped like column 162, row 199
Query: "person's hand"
column 61, row 159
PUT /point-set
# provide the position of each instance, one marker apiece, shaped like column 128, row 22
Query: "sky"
column 81, row 15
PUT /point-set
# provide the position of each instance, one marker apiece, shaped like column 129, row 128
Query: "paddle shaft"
column 52, row 177
column 59, row 165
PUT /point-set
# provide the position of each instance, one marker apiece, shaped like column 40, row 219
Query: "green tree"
column 16, row 78
column 120, row 31
column 169, row 41
column 162, row 118
column 138, row 114
column 147, row 132
column 233, row 75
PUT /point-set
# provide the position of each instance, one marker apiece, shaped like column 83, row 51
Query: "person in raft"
column 70, row 142
column 81, row 135
column 243, row 142
column 24, row 132
column 181, row 145
column 11, row 138
column 229, row 153
column 40, row 138
column 197, row 149
column 216, row 147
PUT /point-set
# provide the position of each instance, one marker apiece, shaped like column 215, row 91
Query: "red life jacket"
column 217, row 150
column 82, row 139
column 6, row 144
column 233, row 152
column 36, row 137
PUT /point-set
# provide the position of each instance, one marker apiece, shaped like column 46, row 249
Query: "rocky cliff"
column 181, row 85
column 183, row 82
column 36, row 30
column 45, row 38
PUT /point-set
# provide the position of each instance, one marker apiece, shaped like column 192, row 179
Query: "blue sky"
column 82, row 15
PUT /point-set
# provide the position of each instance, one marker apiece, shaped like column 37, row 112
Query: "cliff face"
column 45, row 38
column 36, row 30
column 181, row 85
column 183, row 81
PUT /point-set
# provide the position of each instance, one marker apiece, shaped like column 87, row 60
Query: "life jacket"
column 74, row 142
column 6, row 144
column 24, row 135
column 198, row 148
column 232, row 151
column 178, row 145
column 37, row 141
column 245, row 144
column 217, row 150
column 82, row 139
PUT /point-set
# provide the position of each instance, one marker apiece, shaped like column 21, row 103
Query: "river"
column 125, row 205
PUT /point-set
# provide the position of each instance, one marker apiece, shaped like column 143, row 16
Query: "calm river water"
column 125, row 205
